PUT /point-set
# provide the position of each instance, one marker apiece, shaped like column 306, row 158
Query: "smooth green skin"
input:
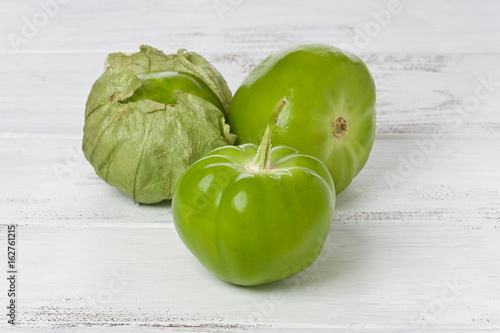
column 320, row 83
column 249, row 227
column 160, row 87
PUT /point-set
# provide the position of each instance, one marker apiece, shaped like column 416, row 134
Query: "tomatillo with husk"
column 253, row 215
column 330, row 110
column 160, row 87
column 150, row 116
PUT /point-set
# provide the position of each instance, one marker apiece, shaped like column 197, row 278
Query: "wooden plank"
column 415, row 26
column 392, row 276
column 47, row 181
column 414, row 241
column 417, row 93
column 389, row 257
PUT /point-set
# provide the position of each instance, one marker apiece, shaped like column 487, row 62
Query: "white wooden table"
column 415, row 241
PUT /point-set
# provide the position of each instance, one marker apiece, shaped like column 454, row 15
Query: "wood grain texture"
column 388, row 259
column 258, row 25
column 364, row 278
column 457, row 184
column 416, row 93
column 414, row 241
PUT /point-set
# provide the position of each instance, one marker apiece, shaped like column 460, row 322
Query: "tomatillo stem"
column 262, row 159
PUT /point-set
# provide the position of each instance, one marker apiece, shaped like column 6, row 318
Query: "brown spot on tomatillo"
column 339, row 127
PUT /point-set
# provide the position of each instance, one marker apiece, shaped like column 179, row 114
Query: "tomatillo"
column 150, row 116
column 160, row 87
column 255, row 215
column 331, row 106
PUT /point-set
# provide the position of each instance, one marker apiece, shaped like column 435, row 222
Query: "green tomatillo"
column 331, row 106
column 161, row 86
column 150, row 116
column 255, row 215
